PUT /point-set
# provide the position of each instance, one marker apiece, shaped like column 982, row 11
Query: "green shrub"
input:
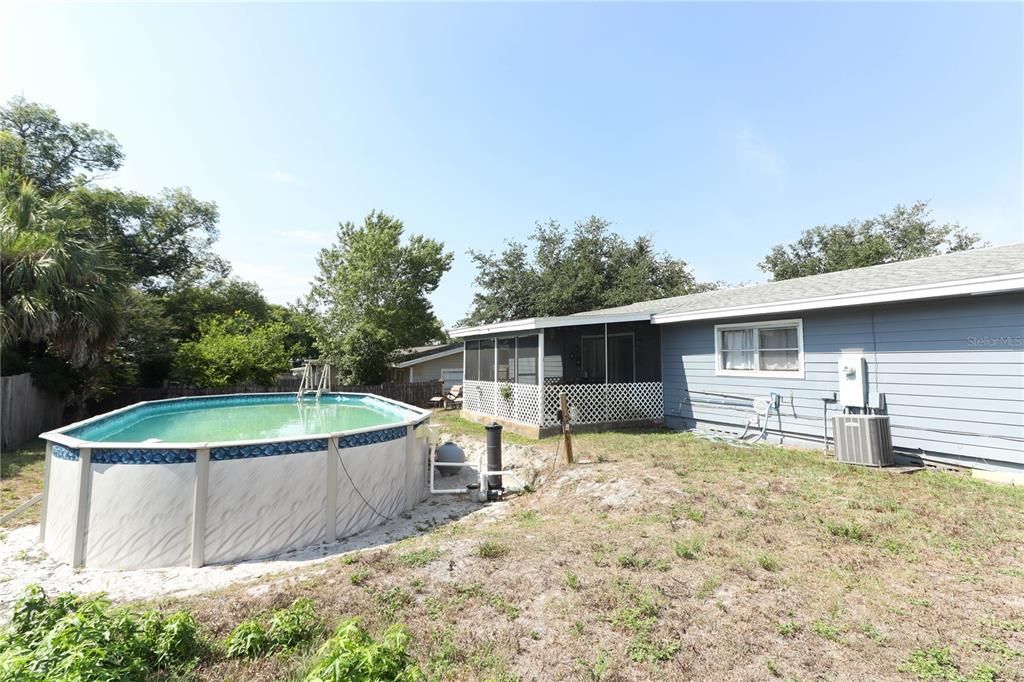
column 768, row 562
column 352, row 655
column 248, row 640
column 86, row 638
column 285, row 629
column 296, row 625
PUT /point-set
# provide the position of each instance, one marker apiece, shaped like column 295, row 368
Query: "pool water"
column 248, row 418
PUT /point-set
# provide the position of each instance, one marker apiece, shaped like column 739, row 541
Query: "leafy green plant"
column 294, row 626
column 935, row 663
column 688, row 549
column 359, row 577
column 353, row 655
column 768, row 562
column 788, row 628
column 248, row 640
column 68, row 637
column 491, row 549
column 826, row 630
column 506, row 393
column 572, row 580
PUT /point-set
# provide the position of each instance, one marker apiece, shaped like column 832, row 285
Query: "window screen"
column 526, row 359
column 487, row 360
column 507, row 359
column 472, row 361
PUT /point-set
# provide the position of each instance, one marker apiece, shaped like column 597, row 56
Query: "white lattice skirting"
column 593, row 403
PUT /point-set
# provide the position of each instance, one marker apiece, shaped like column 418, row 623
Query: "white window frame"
column 798, row 373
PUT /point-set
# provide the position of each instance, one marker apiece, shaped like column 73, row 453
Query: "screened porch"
column 610, row 373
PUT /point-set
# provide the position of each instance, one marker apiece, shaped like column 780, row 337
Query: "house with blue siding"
column 937, row 344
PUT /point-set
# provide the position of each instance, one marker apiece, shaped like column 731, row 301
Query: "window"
column 760, row 349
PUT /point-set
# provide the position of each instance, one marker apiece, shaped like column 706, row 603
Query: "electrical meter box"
column 853, row 379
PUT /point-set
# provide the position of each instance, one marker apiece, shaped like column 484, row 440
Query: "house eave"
column 427, row 358
column 536, row 323
column 971, row 287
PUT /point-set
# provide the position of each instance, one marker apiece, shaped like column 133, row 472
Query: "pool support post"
column 494, row 487
column 82, row 512
column 198, row 557
column 46, row 490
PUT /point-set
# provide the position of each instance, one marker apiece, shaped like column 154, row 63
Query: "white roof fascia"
column 425, row 358
column 533, row 323
column 981, row 285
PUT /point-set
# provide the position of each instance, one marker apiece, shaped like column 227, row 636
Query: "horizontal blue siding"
column 949, row 400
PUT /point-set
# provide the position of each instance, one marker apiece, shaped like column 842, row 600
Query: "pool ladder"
column 309, row 378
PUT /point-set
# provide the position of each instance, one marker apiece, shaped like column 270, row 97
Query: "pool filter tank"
column 449, row 453
column 494, row 487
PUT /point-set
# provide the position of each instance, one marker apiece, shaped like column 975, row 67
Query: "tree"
column 234, row 350
column 189, row 303
column 36, row 144
column 369, row 298
column 161, row 240
column 904, row 233
column 561, row 273
column 59, row 288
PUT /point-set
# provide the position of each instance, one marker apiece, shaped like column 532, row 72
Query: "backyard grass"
column 669, row 558
column 673, row 558
column 21, row 477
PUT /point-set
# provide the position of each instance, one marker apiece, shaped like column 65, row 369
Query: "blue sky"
column 720, row 129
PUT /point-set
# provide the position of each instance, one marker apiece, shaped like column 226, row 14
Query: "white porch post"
column 540, row 378
column 494, row 378
column 606, row 371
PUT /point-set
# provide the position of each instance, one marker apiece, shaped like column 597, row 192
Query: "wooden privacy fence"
column 416, row 393
column 26, row 410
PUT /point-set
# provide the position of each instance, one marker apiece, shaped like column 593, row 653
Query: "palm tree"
column 58, row 286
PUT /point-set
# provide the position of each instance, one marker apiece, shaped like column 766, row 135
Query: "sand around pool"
column 23, row 560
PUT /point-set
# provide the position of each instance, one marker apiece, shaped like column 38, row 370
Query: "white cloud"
column 757, row 156
column 282, row 178
column 306, row 236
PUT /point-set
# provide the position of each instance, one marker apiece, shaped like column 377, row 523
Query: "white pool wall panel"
column 378, row 471
column 264, row 505
column 140, row 516
column 61, row 508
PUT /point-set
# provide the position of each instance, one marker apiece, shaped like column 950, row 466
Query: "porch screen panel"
column 592, row 350
column 487, row 360
column 507, row 359
column 472, row 361
column 621, row 359
column 526, row 359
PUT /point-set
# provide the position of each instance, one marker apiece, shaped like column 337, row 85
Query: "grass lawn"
column 21, row 477
column 672, row 558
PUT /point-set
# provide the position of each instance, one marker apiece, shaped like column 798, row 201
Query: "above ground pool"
column 193, row 481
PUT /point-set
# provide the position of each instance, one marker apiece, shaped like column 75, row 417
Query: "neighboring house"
column 430, row 363
column 941, row 340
